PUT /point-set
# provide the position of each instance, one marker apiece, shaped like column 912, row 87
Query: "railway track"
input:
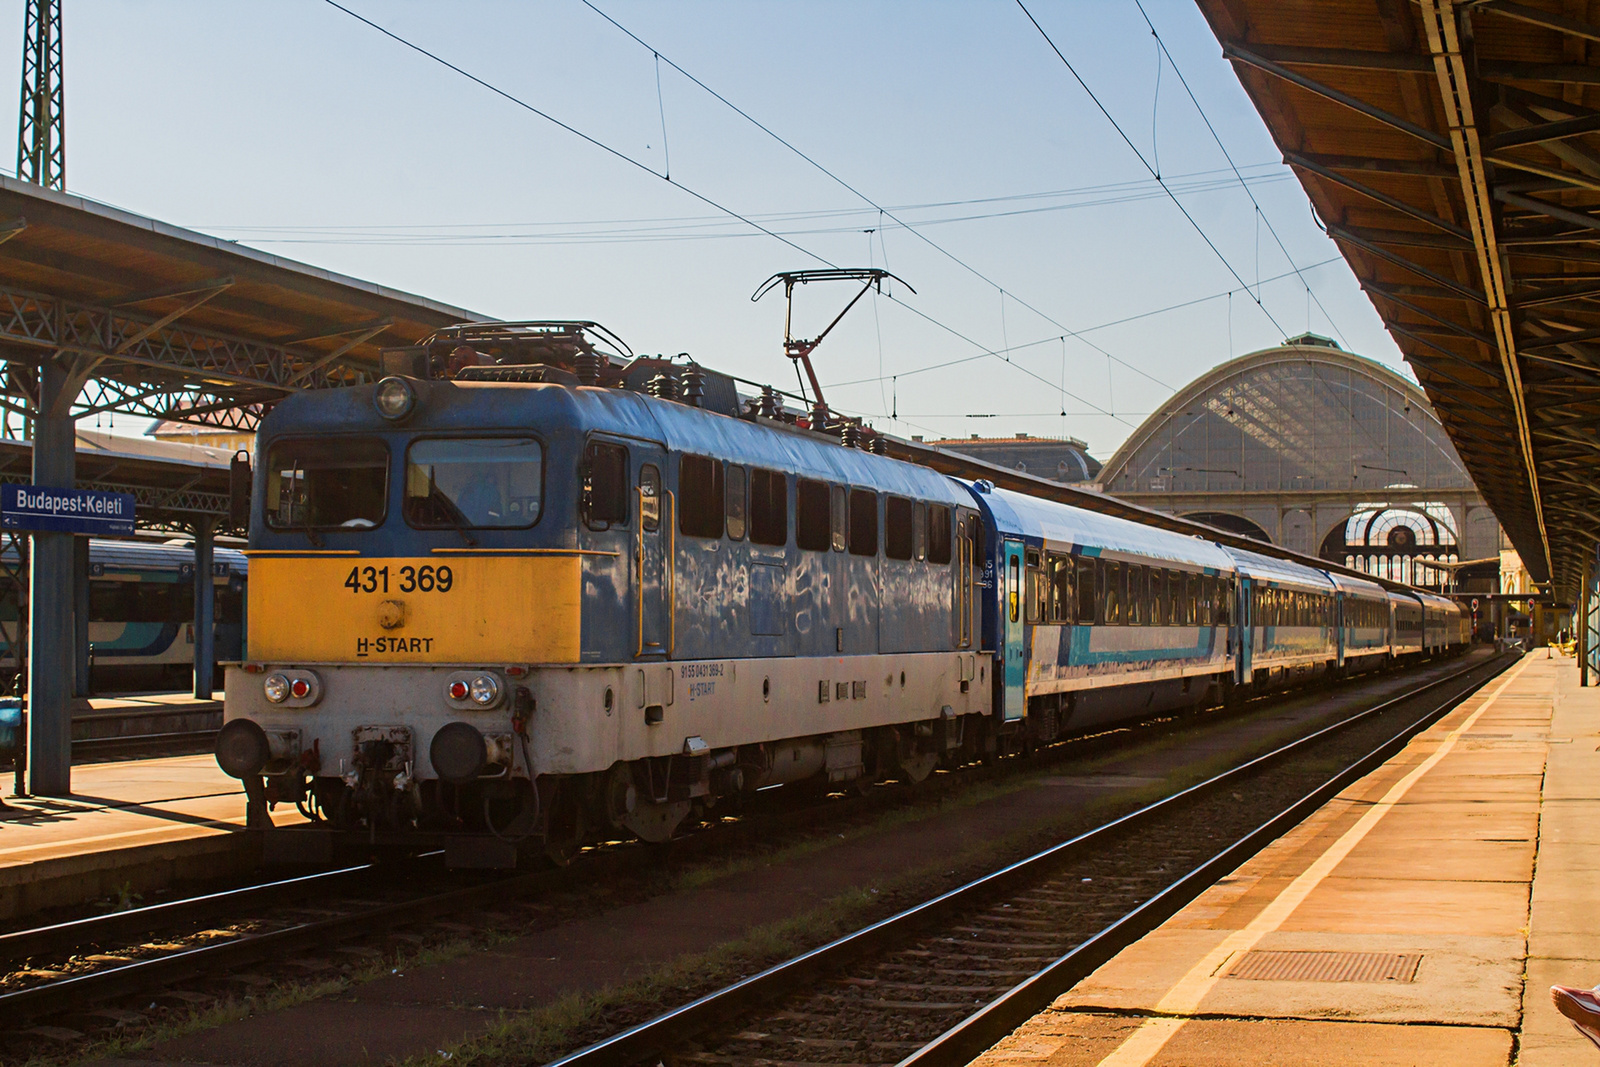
column 940, row 982
column 61, row 971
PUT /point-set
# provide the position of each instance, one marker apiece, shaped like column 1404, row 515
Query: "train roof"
column 1356, row 586
column 551, row 408
column 142, row 555
column 1052, row 522
column 1282, row 571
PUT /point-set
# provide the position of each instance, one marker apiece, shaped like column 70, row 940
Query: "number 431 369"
column 425, row 579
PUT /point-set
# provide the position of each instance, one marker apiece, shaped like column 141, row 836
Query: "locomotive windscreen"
column 327, row 482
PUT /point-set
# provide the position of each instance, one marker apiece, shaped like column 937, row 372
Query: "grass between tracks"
column 577, row 1019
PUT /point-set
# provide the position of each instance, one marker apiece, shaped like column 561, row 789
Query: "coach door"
column 1247, row 621
column 652, row 555
column 1015, row 664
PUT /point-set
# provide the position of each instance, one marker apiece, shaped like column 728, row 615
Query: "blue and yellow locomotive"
column 529, row 593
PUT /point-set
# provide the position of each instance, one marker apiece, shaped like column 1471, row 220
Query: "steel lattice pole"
column 41, row 126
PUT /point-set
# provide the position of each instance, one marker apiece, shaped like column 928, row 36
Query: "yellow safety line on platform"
column 524, row 552
column 1145, row 1043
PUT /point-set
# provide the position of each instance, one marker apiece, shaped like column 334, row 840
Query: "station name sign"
column 75, row 511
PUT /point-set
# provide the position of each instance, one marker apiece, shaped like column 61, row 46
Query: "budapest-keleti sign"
column 75, row 511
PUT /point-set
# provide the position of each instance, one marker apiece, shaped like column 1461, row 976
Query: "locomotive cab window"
column 840, row 533
column 649, row 498
column 700, row 496
column 478, row 482
column 327, row 483
column 605, row 485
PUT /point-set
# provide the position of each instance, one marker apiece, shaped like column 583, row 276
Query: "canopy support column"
column 50, row 636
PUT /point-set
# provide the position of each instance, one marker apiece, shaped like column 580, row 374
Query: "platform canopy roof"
column 152, row 319
column 1453, row 152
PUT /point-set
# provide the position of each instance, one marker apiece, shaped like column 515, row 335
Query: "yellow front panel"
column 439, row 609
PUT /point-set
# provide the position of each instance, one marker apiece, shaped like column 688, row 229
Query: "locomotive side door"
column 652, row 554
column 1015, row 666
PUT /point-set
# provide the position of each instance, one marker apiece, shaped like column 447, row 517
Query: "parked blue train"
column 525, row 593
column 141, row 611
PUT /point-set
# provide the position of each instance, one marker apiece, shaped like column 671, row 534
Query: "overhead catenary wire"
column 1146, row 163
column 1060, row 338
column 851, row 188
column 617, row 153
column 1261, row 215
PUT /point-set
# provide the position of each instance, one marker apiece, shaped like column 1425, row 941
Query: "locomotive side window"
column 700, row 496
column 326, row 483
column 476, row 482
column 812, row 523
column 863, row 522
column 840, row 512
column 769, row 508
column 649, row 498
column 736, row 496
column 898, row 540
column 938, row 533
column 1086, row 588
column 605, row 485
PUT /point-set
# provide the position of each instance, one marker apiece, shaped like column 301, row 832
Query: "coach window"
column 1161, row 603
column 898, row 539
column 919, row 531
column 769, row 508
column 812, row 523
column 863, row 522
column 938, row 533
column 736, row 497
column 1037, row 593
column 1058, row 570
column 1013, row 588
column 1137, row 587
column 1086, row 591
column 605, row 486
column 700, row 497
column 1115, row 592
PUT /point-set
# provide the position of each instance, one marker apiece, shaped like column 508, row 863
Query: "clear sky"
column 290, row 126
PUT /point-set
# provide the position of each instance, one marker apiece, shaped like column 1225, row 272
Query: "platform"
column 1418, row 918
column 129, row 827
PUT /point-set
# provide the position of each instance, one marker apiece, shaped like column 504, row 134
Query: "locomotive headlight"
column 276, row 688
column 485, row 690
column 394, row 399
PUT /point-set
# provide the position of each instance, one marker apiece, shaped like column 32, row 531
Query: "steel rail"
column 73, row 993
column 960, row 1044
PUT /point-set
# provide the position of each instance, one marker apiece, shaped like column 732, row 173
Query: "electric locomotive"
column 528, row 593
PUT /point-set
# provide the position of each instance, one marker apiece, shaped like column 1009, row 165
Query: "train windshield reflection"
column 482, row 482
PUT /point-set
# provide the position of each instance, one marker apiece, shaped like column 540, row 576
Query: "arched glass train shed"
column 1318, row 450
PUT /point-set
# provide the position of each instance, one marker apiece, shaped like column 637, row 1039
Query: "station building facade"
column 1323, row 452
